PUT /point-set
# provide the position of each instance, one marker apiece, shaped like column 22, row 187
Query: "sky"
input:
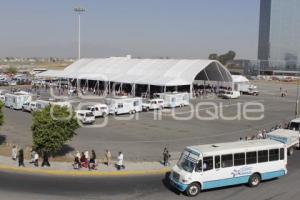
column 142, row 28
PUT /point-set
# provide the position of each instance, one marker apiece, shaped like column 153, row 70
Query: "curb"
column 83, row 173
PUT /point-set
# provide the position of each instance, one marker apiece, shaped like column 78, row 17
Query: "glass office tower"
column 279, row 35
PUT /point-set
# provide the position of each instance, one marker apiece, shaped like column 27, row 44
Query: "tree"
column 11, row 70
column 224, row 58
column 52, row 128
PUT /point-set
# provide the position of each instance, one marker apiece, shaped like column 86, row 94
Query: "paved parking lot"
column 144, row 137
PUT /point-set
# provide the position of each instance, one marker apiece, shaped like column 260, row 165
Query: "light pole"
column 297, row 100
column 79, row 10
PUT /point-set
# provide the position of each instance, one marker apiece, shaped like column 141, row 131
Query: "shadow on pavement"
column 166, row 183
column 65, row 150
column 2, row 139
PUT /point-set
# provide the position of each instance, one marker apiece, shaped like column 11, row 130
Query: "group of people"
column 84, row 160
column 18, row 155
column 262, row 134
column 202, row 90
column 283, row 92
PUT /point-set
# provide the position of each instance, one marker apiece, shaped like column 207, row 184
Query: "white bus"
column 218, row 165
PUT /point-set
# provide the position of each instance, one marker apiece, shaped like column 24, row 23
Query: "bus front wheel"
column 193, row 189
column 254, row 180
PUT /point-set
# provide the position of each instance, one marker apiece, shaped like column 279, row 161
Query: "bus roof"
column 235, row 146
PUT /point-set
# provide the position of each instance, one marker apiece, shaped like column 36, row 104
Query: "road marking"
column 83, row 173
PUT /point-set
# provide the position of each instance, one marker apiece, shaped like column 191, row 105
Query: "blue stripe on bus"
column 239, row 180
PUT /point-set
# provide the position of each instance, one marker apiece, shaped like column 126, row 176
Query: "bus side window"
column 273, row 154
column 282, row 154
column 239, row 159
column 251, row 157
column 263, row 156
column 227, row 160
column 217, row 162
column 199, row 166
column 208, row 163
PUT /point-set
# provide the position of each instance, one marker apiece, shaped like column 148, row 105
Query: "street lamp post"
column 79, row 10
column 297, row 100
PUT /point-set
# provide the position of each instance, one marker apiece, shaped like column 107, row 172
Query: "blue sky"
column 145, row 28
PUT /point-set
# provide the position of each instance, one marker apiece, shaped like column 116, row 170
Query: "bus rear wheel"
column 193, row 189
column 254, row 180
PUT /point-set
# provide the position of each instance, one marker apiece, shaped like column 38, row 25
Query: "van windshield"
column 188, row 161
column 294, row 126
column 89, row 114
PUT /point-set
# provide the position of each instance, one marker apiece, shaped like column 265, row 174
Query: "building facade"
column 279, row 35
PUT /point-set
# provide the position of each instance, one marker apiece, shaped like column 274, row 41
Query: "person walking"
column 108, row 157
column 166, row 157
column 21, row 158
column 45, row 160
column 92, row 163
column 14, row 152
column 36, row 159
column 120, row 160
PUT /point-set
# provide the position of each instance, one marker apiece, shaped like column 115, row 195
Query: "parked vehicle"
column 85, row 116
column 294, row 124
column 231, row 95
column 174, row 99
column 218, row 165
column 29, row 106
column 16, row 100
column 2, row 95
column 153, row 104
column 288, row 137
column 99, row 110
column 124, row 105
column 249, row 90
column 41, row 104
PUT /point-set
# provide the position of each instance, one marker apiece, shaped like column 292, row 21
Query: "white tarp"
column 168, row 72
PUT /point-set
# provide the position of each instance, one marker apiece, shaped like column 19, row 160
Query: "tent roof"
column 146, row 71
column 50, row 73
column 239, row 78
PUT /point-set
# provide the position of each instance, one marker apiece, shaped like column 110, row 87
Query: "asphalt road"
column 20, row 186
column 144, row 138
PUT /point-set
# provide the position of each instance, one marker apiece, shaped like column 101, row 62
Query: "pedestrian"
column 120, row 159
column 32, row 153
column 166, row 157
column 83, row 161
column 21, row 158
column 76, row 164
column 92, row 164
column 36, row 159
column 14, row 152
column 108, row 157
column 45, row 160
column 86, row 154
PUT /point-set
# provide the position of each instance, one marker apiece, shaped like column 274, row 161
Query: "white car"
column 85, row 116
column 29, row 106
column 99, row 110
column 153, row 104
column 231, row 95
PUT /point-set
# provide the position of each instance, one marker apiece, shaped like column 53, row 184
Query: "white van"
column 231, row 94
column 85, row 116
column 290, row 138
column 218, row 165
column 41, row 104
column 153, row 104
column 99, row 110
column 124, row 105
column 29, row 106
column 294, row 124
column 16, row 100
column 174, row 99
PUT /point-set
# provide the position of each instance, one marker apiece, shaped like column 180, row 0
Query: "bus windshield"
column 294, row 126
column 188, row 161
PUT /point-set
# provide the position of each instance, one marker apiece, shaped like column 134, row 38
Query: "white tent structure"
column 150, row 72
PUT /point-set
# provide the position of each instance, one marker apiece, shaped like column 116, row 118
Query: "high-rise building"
column 279, row 35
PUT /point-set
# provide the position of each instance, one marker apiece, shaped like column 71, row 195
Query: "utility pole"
column 297, row 100
column 79, row 11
